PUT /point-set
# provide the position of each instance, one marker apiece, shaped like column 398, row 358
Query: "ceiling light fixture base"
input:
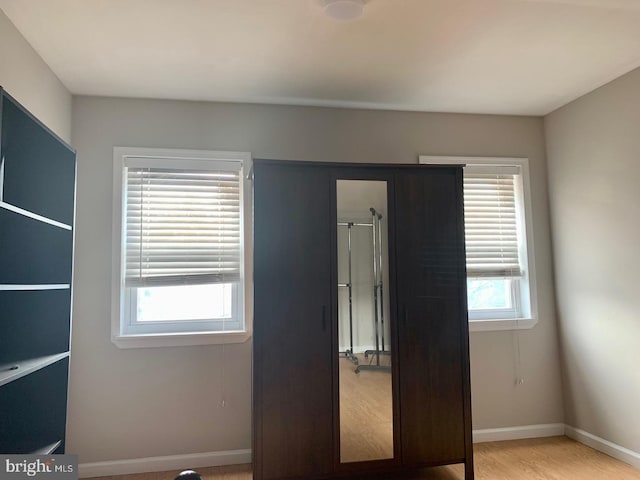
column 343, row 9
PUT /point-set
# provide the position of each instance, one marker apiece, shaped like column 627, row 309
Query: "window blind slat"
column 182, row 227
column 491, row 228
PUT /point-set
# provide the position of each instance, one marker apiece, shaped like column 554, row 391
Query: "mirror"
column 364, row 341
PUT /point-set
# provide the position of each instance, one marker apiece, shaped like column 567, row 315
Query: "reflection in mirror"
column 366, row 406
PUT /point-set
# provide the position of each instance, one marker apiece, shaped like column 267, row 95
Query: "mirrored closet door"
column 363, row 317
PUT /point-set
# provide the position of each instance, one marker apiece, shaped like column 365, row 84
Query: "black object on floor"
column 189, row 475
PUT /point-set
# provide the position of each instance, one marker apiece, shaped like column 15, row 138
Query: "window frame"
column 128, row 334
column 133, row 326
column 524, row 289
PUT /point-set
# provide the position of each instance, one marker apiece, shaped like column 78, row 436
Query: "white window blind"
column 491, row 221
column 182, row 226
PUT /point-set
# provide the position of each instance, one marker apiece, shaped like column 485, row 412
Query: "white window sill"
column 501, row 324
column 178, row 339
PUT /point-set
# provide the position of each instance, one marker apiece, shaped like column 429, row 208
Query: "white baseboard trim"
column 605, row 446
column 519, row 432
column 235, row 457
column 161, row 464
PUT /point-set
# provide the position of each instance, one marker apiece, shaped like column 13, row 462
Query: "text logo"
column 40, row 467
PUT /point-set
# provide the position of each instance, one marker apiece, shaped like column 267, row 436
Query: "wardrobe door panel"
column 430, row 264
column 292, row 329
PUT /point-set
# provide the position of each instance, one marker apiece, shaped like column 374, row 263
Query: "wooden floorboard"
column 366, row 411
column 555, row 458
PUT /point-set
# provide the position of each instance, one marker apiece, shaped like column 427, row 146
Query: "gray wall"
column 30, row 81
column 593, row 147
column 161, row 401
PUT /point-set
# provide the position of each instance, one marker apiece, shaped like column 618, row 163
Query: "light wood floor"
column 366, row 412
column 556, row 458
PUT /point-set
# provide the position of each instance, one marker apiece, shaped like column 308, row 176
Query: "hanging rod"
column 346, row 224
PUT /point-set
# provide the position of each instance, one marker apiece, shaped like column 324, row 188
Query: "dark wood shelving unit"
column 37, row 210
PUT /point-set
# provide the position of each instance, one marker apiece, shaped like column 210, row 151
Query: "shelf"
column 9, row 372
column 39, row 170
column 52, row 286
column 33, row 252
column 35, row 216
column 35, row 407
column 35, row 323
column 48, row 449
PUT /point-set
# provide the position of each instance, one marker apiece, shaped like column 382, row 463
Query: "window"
column 178, row 247
column 500, row 291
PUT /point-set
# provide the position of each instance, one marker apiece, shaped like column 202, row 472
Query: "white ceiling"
column 478, row 56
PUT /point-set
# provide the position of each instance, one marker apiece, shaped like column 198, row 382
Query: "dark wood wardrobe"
column 296, row 398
